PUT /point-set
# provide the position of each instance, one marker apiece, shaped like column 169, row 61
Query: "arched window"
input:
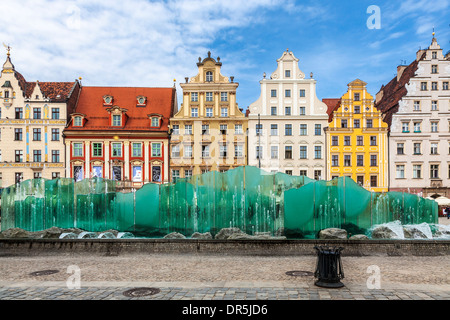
column 209, row 76
column 78, row 122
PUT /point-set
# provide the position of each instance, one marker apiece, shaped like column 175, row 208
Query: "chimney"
column 400, row 70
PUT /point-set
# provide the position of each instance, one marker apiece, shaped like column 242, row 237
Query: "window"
column 335, row 141
column 136, row 149
column 359, row 140
column 155, row 122
column 56, row 175
column 259, row 153
column 18, row 177
column 373, row 140
column 360, row 180
column 434, row 126
column 302, row 93
column 357, row 109
column 318, row 129
column 224, row 96
column 36, row 134
column 55, row 113
column 423, row 86
column 369, row 123
column 194, row 112
column 434, row 105
column 400, row 148
column 97, row 149
column 347, row 160
column 317, row 174
column 6, row 94
column 445, row 85
column 434, row 171
column 303, row 152
column 205, row 129
column 36, row 113
column 19, row 113
column 187, row 173
column 302, row 111
column 77, row 150
column 223, row 129
column 273, row 111
column 205, row 151
column 18, row 134
column 417, row 171
column 116, row 149
column 273, row 129
column 303, row 129
column 335, row 161
column 37, row 156
column 209, row 96
column 360, row 160
column 55, row 134
column 405, row 127
column 175, row 175
column 97, row 171
column 373, row 181
column 416, row 126
column 357, row 123
column 259, row 129
column 417, row 148
column 176, row 129
column 176, row 151
column 194, row 96
column 273, row 93
column 188, row 129
column 37, row 175
column 223, row 151
column 287, row 93
column 288, row 152
column 434, row 148
column 287, row 73
column 117, row 120
column 209, row 76
column 288, row 129
column 238, row 151
column 209, row 112
column 188, row 151
column 274, row 152
column 346, row 140
column 434, row 86
column 400, row 171
column 303, row 173
column 238, row 129
column 344, row 123
column 289, row 172
column 317, row 152
column 416, row 105
column 373, row 160
column 224, row 112
column 434, row 68
column 137, row 174
column 357, row 97
column 55, row 156
column 156, row 149
column 287, row 111
column 434, row 55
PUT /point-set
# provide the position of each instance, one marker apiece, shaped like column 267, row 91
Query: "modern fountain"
column 246, row 198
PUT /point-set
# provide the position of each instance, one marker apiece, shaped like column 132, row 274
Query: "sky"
column 146, row 43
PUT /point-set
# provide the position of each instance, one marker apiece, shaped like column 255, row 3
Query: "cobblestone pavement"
column 213, row 277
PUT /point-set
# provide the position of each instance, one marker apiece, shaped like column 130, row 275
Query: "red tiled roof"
column 395, row 90
column 159, row 101
column 55, row 91
column 333, row 104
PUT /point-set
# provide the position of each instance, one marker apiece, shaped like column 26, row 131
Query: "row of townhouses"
column 398, row 140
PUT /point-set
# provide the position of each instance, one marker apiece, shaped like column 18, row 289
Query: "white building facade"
column 286, row 123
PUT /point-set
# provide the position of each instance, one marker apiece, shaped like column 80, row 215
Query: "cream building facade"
column 208, row 133
column 33, row 116
column 286, row 124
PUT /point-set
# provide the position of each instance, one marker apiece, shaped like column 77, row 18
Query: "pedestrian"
column 447, row 211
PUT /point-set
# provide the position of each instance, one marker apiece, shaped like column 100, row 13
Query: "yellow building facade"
column 357, row 141
column 208, row 133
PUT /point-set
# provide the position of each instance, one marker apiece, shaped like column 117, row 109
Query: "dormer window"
column 209, row 76
column 117, row 120
column 141, row 101
column 155, row 120
column 78, row 121
column 107, row 100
